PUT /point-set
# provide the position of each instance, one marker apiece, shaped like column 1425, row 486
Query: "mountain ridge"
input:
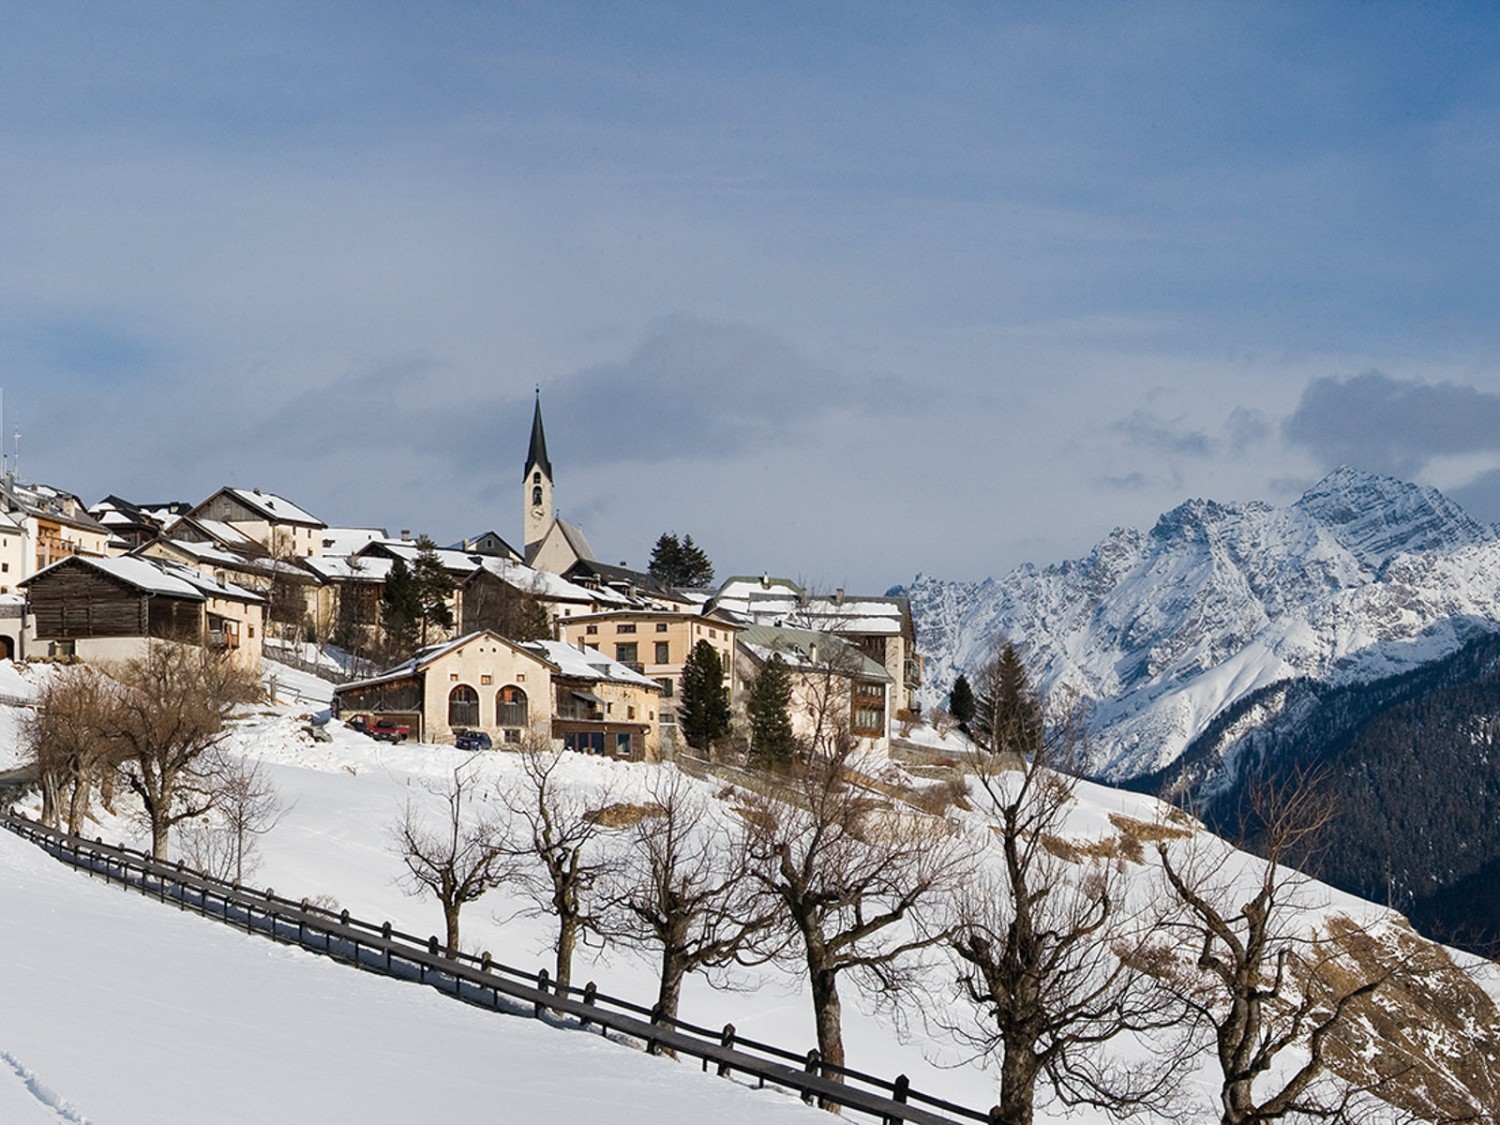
column 1156, row 632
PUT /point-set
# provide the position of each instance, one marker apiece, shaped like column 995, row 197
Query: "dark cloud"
column 1148, row 431
column 1395, row 426
column 1131, row 482
column 1245, row 428
column 1480, row 497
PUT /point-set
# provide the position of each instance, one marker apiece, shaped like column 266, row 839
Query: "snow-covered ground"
column 177, row 1018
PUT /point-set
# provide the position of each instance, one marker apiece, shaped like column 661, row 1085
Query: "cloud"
column 1480, row 497
column 1375, row 422
column 1245, row 428
column 1147, row 431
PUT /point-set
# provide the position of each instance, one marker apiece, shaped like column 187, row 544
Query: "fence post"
column 541, row 982
column 652, row 1046
column 590, row 992
column 726, row 1040
column 814, row 1060
column 385, row 933
column 898, row 1094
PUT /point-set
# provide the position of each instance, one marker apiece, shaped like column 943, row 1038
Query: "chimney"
column 765, row 580
column 838, row 596
column 406, row 535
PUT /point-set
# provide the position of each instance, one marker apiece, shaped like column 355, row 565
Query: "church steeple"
column 536, row 484
column 536, row 456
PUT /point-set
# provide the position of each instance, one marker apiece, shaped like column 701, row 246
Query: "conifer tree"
column 680, row 562
column 432, row 585
column 961, row 702
column 1008, row 716
column 703, row 713
column 772, row 742
column 400, row 609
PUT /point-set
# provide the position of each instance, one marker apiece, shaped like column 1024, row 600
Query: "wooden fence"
column 490, row 984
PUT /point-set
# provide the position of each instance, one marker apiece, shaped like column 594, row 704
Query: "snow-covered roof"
column 809, row 649
column 588, row 664
column 772, row 601
column 426, row 657
column 543, row 583
column 155, row 576
column 408, row 551
column 347, row 540
column 278, row 509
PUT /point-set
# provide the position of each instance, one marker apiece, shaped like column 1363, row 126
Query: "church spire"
column 537, row 454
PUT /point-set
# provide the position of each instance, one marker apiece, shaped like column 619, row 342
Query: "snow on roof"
column 225, row 532
column 353, row 568
column 588, row 664
column 543, row 583
column 156, row 576
column 408, row 551
column 278, row 508
column 347, row 540
column 810, row 649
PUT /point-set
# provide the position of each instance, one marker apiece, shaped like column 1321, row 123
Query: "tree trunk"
column 1018, row 1075
column 159, row 831
column 78, row 804
column 670, row 993
column 567, row 942
column 828, row 1014
column 450, row 924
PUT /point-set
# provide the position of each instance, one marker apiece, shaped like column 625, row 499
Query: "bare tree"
column 850, row 872
column 222, row 843
column 1268, row 986
column 457, row 860
column 67, row 741
column 1054, row 960
column 553, row 832
column 171, row 710
column 685, row 889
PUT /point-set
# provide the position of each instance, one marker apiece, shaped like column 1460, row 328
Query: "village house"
column 881, row 627
column 838, row 690
column 656, row 643
column 274, row 522
column 109, row 609
column 579, row 699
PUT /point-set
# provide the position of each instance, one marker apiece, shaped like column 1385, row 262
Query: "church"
column 551, row 543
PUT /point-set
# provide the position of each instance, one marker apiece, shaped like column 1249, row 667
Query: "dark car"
column 472, row 740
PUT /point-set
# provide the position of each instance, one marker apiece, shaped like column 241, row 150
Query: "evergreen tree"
column 961, row 702
column 771, row 740
column 1008, row 714
column 703, row 714
column 433, row 586
column 532, row 622
column 400, row 609
column 680, row 562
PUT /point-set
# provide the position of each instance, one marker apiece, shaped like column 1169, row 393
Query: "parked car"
column 472, row 740
column 388, row 730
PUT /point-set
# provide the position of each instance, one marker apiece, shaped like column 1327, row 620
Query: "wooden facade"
column 74, row 602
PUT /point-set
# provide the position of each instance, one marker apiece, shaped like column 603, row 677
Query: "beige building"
column 837, row 689
column 656, row 643
column 274, row 522
column 582, row 700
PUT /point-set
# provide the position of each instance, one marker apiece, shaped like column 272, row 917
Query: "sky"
column 846, row 291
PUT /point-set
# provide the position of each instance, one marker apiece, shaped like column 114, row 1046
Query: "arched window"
column 536, row 495
column 463, row 707
column 510, row 707
column 536, row 477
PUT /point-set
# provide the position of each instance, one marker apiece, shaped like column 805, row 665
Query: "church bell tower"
column 536, row 484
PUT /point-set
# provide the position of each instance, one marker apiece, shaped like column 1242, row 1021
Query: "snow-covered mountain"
column 1158, row 631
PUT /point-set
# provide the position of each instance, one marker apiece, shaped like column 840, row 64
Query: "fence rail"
column 490, row 984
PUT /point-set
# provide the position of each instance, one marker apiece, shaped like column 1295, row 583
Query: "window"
column 584, row 741
column 666, row 687
column 536, row 477
column 630, row 712
column 591, row 630
column 453, row 677
column 536, row 496
column 510, row 734
column 663, row 652
column 622, row 744
column 626, row 653
column 510, row 707
column 661, row 626
column 463, row 707
column 5, row 568
column 485, row 680
column 867, row 704
column 627, row 628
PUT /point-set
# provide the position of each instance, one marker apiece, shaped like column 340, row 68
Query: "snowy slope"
column 1158, row 631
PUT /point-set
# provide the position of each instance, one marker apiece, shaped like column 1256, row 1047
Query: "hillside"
column 303, row 1034
column 1158, row 632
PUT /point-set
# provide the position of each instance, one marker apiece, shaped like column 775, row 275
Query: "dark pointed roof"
column 537, row 454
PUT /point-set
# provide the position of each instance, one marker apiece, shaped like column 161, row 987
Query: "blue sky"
column 845, row 290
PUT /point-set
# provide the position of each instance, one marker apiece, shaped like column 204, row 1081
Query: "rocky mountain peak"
column 1377, row 517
